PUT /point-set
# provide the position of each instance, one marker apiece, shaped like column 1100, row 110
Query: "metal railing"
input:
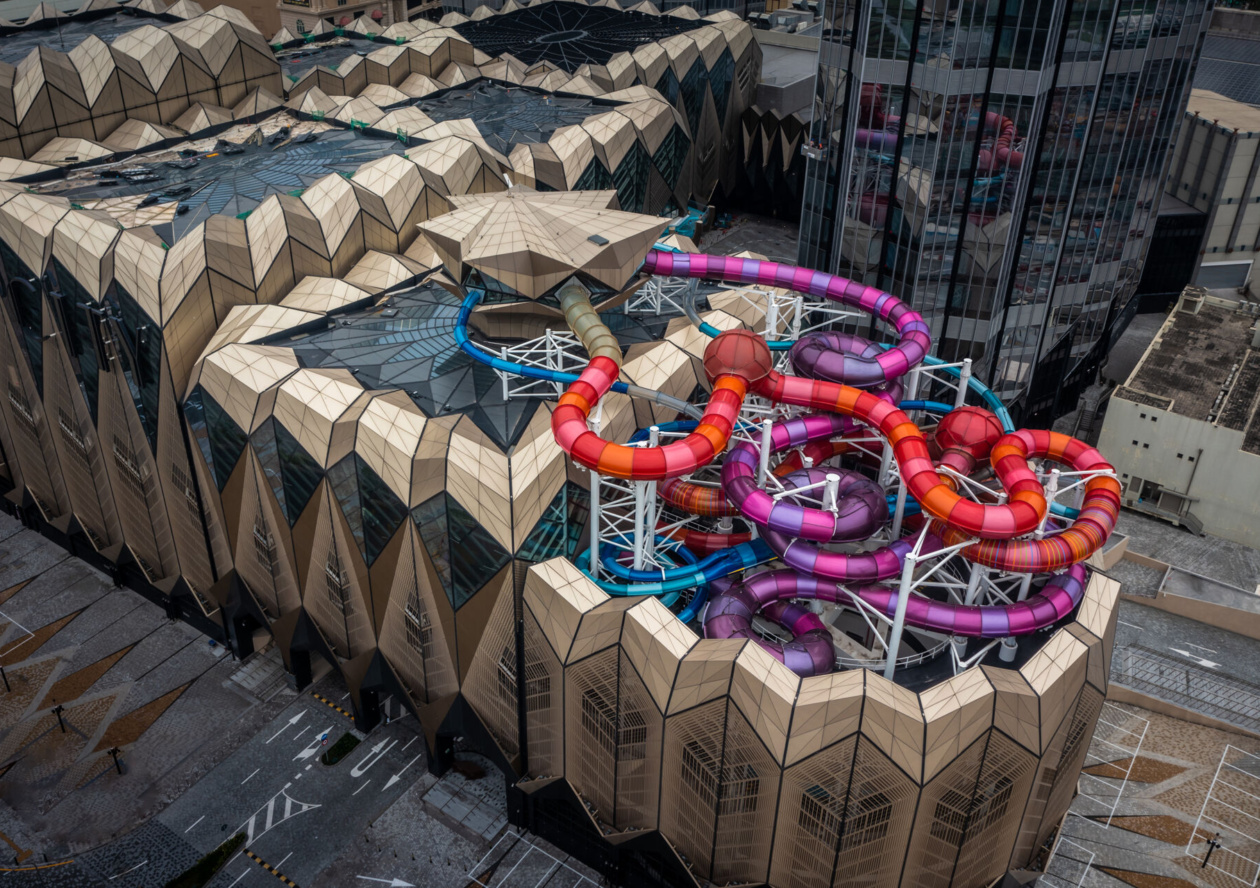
column 1186, row 684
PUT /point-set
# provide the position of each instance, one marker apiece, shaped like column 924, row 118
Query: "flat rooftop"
column 781, row 65
column 507, row 115
column 1225, row 111
column 1202, row 366
column 1230, row 66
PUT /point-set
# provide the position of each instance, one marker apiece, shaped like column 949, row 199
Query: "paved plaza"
column 210, row 747
column 1145, row 845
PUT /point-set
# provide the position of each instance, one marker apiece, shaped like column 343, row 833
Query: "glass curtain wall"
column 996, row 162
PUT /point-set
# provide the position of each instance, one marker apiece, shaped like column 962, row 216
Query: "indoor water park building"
column 448, row 401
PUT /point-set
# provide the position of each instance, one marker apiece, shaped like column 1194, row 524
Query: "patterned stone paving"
column 1145, row 847
column 127, row 677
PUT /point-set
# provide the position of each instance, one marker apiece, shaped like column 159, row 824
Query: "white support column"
column 507, row 393
column 899, row 620
column 592, row 423
column 964, row 377
column 649, row 519
column 640, row 517
column 595, row 518
column 912, row 386
column 885, row 464
column 973, row 582
column 1052, row 487
column 772, row 316
column 831, row 493
column 763, row 468
column 899, row 513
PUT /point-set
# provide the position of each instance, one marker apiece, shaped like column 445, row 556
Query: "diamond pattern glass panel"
column 464, row 553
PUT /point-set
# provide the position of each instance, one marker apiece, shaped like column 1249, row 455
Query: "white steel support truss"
column 625, row 515
column 661, row 295
column 790, row 315
column 560, row 351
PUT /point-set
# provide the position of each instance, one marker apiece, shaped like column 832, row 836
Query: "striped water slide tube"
column 867, row 370
column 1085, row 535
column 730, row 612
column 1025, row 508
column 796, row 532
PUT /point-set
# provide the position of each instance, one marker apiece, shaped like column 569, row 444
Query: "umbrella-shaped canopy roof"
column 532, row 241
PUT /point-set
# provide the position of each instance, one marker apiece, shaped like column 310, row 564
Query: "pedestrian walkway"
column 1152, row 841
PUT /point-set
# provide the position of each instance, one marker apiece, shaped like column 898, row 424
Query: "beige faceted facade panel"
column 124, row 95
column 828, row 780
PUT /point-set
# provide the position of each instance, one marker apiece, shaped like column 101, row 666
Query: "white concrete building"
column 1216, row 169
column 1183, row 431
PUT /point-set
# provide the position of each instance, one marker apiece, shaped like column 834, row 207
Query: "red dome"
column 377, row 15
column 345, row 20
column 740, row 353
column 971, row 430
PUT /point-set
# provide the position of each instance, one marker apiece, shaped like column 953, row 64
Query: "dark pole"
column 114, row 752
column 1213, row 844
column 57, row 710
column 7, row 689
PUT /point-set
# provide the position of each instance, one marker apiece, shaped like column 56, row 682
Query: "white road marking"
column 346, row 694
column 308, row 767
column 314, row 746
column 398, row 776
column 247, row 779
column 373, row 756
column 1130, row 625
column 195, row 822
column 124, row 872
column 409, row 742
column 238, row 878
column 301, row 732
column 1207, row 664
column 286, row 857
column 361, row 788
column 1199, row 646
column 292, row 808
column 293, row 721
column 391, row 883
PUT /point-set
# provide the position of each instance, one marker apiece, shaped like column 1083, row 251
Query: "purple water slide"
column 794, row 531
column 842, row 357
column 730, row 612
column 915, row 335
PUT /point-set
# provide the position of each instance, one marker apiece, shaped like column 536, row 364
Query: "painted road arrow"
column 314, row 747
column 392, row 883
column 293, row 721
column 392, row 780
column 1202, row 662
column 372, row 757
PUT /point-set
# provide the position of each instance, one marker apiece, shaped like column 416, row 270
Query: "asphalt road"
column 1223, row 652
column 297, row 813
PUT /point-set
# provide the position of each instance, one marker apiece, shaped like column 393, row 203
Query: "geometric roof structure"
column 145, row 73
column 532, row 241
column 508, row 116
column 570, row 35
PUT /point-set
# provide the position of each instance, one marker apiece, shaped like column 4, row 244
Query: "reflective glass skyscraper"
column 999, row 164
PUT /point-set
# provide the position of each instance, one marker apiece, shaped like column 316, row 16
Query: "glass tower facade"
column 998, row 163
